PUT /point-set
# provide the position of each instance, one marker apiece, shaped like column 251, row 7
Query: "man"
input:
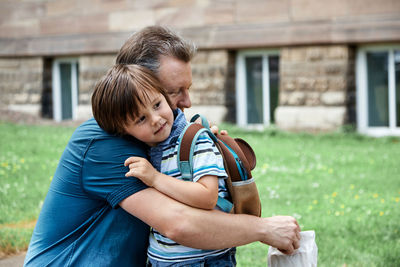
column 169, row 56
column 81, row 224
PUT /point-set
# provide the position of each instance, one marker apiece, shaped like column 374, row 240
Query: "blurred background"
column 302, row 65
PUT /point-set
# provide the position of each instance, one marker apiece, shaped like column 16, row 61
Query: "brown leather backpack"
column 239, row 160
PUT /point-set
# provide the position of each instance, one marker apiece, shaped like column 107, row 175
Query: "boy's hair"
column 146, row 46
column 121, row 93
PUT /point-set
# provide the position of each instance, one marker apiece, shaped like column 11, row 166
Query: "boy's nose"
column 155, row 119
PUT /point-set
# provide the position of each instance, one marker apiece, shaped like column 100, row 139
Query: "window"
column 65, row 89
column 378, row 90
column 257, row 87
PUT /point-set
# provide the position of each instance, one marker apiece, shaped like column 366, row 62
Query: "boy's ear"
column 248, row 152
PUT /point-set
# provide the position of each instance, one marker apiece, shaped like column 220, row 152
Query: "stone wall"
column 65, row 27
column 91, row 69
column 26, row 84
column 317, row 88
column 21, row 84
column 213, row 90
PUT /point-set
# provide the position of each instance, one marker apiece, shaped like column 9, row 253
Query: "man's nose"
column 184, row 102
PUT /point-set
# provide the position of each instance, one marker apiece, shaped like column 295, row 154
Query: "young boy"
column 146, row 115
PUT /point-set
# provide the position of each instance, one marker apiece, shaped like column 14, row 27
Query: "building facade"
column 303, row 65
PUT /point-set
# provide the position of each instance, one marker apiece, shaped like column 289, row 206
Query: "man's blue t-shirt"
column 80, row 223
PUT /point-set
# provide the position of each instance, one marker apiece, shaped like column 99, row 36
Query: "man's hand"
column 142, row 169
column 214, row 129
column 283, row 232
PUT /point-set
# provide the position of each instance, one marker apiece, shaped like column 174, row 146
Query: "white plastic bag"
column 305, row 256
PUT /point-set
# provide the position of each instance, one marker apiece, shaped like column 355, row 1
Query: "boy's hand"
column 141, row 169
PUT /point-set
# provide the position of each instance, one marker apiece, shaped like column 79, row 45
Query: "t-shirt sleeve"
column 207, row 160
column 103, row 170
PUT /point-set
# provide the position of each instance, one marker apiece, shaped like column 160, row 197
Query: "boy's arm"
column 203, row 194
column 210, row 229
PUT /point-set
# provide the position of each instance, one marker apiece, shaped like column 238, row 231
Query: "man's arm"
column 210, row 229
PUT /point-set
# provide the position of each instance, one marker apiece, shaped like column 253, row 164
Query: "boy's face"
column 176, row 78
column 154, row 123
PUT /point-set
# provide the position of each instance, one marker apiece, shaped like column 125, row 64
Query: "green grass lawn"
column 346, row 187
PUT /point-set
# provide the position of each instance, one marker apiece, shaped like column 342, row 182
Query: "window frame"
column 362, row 91
column 57, row 107
column 241, row 88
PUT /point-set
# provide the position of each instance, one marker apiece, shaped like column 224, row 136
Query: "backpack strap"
column 237, row 164
column 186, row 143
column 224, row 205
column 204, row 121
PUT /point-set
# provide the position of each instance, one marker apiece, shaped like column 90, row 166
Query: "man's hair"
column 146, row 46
column 121, row 93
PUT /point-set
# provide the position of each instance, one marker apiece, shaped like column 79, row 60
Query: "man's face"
column 176, row 78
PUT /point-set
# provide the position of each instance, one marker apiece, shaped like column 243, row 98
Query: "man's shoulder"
column 90, row 130
column 90, row 137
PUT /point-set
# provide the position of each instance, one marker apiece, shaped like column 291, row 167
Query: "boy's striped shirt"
column 207, row 160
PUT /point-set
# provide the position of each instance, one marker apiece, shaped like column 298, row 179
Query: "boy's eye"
column 157, row 105
column 140, row 119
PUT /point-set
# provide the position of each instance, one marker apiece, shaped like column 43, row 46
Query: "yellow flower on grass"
column 310, row 207
column 265, row 166
column 356, row 197
column 397, row 199
column 315, row 202
column 342, row 206
column 334, row 194
column 22, row 160
column 382, row 201
column 352, row 186
column 375, row 195
column 4, row 164
column 381, row 213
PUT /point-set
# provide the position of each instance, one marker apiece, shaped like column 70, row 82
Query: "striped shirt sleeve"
column 207, row 160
